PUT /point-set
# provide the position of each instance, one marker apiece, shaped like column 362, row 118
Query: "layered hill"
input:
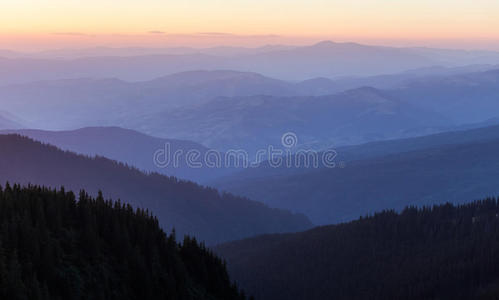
column 190, row 208
column 454, row 167
column 80, row 102
column 229, row 109
column 462, row 98
column 144, row 152
column 255, row 122
column 324, row 59
column 7, row 121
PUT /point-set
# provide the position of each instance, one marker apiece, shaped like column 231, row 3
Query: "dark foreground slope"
column 190, row 208
column 443, row 252
column 54, row 247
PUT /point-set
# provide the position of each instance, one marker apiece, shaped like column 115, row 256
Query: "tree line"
column 55, row 246
column 439, row 252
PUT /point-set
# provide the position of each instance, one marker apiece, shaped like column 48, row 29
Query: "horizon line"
column 391, row 43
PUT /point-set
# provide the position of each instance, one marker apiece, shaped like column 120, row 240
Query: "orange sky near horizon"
column 45, row 24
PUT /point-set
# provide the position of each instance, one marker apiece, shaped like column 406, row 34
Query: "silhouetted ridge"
column 190, row 208
column 55, row 247
column 439, row 252
column 128, row 146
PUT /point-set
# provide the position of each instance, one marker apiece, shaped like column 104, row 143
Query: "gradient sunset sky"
column 44, row 24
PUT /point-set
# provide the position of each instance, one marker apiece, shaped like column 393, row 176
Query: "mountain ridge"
column 133, row 148
column 190, row 208
column 374, row 175
column 417, row 253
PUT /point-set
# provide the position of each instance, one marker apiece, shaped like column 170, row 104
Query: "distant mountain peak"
column 318, row 80
column 209, row 75
column 9, row 121
column 371, row 94
column 365, row 90
column 325, row 43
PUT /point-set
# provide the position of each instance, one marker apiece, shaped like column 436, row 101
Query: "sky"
column 47, row 24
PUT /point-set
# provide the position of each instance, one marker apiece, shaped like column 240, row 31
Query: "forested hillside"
column 190, row 208
column 53, row 246
column 440, row 252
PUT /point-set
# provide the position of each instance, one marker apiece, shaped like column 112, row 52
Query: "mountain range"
column 189, row 208
column 74, row 103
column 135, row 149
column 419, row 106
column 410, row 135
column 453, row 166
column 227, row 109
column 462, row 98
column 255, row 122
column 324, row 59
